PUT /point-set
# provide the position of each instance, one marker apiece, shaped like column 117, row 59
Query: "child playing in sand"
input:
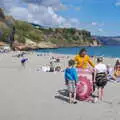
column 71, row 80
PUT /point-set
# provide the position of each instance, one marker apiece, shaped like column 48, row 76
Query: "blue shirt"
column 71, row 74
column 24, row 60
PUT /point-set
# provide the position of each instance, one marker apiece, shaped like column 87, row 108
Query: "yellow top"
column 82, row 62
column 117, row 73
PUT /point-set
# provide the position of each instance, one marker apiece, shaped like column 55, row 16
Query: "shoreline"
column 107, row 60
column 71, row 54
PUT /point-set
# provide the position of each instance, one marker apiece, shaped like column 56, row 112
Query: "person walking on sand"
column 100, row 77
column 83, row 60
column 23, row 61
column 71, row 80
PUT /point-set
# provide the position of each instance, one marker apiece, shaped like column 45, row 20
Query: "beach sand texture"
column 26, row 94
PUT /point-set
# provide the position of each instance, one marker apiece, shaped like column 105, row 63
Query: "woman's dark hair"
column 100, row 59
column 117, row 62
column 82, row 50
column 71, row 62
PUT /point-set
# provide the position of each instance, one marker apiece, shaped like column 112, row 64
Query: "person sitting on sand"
column 58, row 69
column 52, row 67
column 116, row 64
column 100, row 77
column 110, row 73
column 45, row 68
column 83, row 60
column 71, row 80
column 117, row 73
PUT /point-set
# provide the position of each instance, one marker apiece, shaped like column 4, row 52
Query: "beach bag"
column 84, row 85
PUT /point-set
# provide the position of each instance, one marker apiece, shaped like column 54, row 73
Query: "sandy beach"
column 29, row 94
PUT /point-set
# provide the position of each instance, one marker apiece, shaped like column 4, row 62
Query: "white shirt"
column 45, row 68
column 101, row 68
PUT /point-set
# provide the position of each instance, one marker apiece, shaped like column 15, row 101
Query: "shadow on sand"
column 62, row 95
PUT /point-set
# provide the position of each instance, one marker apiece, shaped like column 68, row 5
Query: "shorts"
column 71, row 86
column 101, row 80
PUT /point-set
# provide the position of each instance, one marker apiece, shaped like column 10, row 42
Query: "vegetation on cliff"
column 52, row 37
column 61, row 37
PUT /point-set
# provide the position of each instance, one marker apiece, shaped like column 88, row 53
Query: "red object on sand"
column 85, row 84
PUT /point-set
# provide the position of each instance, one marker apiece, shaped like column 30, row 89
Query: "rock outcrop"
column 24, row 36
column 2, row 16
column 7, row 29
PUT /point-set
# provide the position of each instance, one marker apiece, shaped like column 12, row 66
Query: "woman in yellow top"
column 83, row 60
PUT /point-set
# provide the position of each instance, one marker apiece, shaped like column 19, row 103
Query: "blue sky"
column 100, row 17
column 105, row 13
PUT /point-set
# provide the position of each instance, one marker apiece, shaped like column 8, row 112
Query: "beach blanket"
column 85, row 84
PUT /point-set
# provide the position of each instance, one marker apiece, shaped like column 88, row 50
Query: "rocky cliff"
column 23, row 35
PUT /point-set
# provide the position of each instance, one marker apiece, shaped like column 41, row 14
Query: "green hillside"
column 56, row 37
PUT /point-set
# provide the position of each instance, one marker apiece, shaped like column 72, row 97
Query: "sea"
column 104, row 51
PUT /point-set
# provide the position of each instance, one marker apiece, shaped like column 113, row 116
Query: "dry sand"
column 26, row 94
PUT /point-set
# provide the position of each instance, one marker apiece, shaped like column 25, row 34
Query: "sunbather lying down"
column 114, row 74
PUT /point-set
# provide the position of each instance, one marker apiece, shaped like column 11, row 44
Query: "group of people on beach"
column 101, row 74
column 52, row 67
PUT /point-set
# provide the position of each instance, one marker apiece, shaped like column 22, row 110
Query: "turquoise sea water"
column 106, row 51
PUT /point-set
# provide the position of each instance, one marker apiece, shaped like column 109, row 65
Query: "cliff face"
column 52, row 37
column 31, row 36
column 6, row 28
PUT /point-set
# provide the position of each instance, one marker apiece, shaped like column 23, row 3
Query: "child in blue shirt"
column 71, row 78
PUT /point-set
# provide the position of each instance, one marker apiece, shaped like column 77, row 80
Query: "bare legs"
column 72, row 99
column 100, row 93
